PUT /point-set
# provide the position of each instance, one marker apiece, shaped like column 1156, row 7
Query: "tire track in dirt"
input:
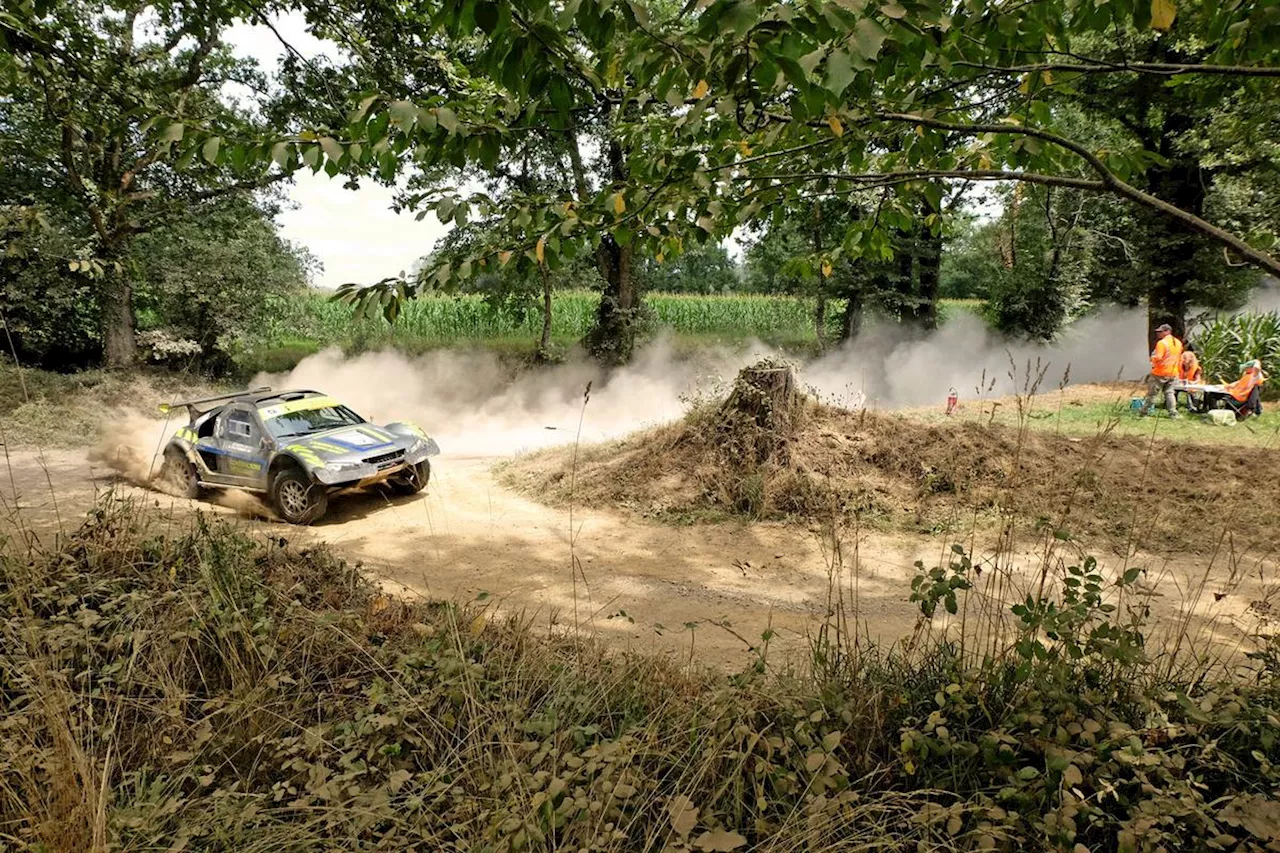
column 638, row 585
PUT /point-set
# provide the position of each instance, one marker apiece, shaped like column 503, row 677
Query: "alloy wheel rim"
column 293, row 497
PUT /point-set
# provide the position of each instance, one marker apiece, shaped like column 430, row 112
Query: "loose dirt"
column 707, row 592
column 894, row 472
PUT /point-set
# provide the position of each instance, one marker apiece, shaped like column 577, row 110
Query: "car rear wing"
column 200, row 406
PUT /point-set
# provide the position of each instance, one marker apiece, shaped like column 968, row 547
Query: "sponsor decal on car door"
column 243, row 457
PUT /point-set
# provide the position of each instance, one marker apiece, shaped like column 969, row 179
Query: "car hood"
column 351, row 443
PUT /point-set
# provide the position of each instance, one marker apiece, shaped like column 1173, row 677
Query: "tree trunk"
column 613, row 339
column 904, row 263
column 544, row 342
column 1173, row 245
column 929, row 265
column 820, row 309
column 762, row 413
column 851, row 321
column 116, row 318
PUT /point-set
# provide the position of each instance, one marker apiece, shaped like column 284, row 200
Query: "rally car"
column 294, row 447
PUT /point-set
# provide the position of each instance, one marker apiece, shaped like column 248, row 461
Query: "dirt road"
column 708, row 590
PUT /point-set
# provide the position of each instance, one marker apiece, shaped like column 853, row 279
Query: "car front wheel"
column 296, row 498
column 413, row 479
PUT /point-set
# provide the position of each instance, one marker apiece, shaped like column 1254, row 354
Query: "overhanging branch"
column 1110, row 180
column 1164, row 69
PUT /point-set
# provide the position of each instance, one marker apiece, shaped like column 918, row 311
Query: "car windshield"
column 311, row 420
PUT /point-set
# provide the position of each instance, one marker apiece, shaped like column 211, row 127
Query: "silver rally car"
column 294, row 447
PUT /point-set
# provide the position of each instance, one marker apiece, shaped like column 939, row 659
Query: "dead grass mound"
column 821, row 463
column 44, row 409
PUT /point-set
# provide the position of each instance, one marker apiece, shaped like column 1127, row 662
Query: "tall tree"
column 505, row 97
column 111, row 112
column 1176, row 124
column 766, row 104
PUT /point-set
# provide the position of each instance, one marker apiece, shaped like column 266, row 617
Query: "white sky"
column 354, row 233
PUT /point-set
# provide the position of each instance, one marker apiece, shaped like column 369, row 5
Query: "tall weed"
column 197, row 689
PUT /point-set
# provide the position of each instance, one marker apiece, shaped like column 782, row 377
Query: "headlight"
column 344, row 466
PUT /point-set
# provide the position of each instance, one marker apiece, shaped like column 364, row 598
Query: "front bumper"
column 350, row 475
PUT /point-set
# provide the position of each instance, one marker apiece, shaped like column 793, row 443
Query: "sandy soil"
column 708, row 591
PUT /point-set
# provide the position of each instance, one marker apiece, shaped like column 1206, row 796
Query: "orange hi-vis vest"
column 1243, row 387
column 1190, row 371
column 1166, row 358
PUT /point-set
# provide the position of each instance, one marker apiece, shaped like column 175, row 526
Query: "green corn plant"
column 1224, row 343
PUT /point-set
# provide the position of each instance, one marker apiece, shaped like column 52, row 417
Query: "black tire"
column 296, row 498
column 179, row 474
column 412, row 480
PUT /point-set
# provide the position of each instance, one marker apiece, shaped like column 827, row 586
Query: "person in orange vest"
column 1245, row 394
column 1190, row 371
column 1166, row 361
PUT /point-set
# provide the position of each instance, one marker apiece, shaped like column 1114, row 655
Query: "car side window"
column 240, row 426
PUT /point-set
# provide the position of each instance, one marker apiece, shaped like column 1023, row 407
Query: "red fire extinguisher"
column 953, row 400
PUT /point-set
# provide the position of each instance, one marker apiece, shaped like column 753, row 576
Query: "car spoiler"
column 193, row 406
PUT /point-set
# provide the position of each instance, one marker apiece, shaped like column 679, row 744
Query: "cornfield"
column 444, row 320
column 1226, row 342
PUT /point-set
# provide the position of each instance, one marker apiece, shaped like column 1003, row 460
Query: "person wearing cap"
column 1245, row 394
column 1166, row 361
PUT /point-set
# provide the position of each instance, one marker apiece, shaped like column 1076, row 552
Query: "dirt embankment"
column 893, row 471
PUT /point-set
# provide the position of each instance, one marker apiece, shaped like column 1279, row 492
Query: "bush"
column 208, row 691
column 1226, row 342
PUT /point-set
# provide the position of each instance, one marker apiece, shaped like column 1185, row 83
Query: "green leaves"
column 738, row 17
column 281, row 154
column 447, row 119
column 869, row 38
column 486, row 13
column 403, row 113
column 840, row 72
column 332, row 148
column 209, row 151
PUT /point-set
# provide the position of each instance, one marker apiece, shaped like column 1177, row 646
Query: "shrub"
column 1226, row 342
column 207, row 691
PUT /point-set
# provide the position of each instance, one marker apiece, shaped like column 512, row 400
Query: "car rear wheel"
column 179, row 474
column 296, row 498
column 412, row 480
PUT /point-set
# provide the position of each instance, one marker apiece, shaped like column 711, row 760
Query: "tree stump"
column 766, row 393
column 761, row 414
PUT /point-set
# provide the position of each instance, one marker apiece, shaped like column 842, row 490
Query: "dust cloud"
column 892, row 369
column 133, row 446
column 471, row 403
column 473, row 407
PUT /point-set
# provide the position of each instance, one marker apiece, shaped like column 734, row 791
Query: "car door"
column 209, row 445
column 243, row 453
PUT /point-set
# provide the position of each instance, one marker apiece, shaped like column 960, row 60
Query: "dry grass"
column 44, row 409
column 896, row 471
column 195, row 689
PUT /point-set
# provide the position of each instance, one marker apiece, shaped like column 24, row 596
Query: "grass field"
column 312, row 322
column 1084, row 411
